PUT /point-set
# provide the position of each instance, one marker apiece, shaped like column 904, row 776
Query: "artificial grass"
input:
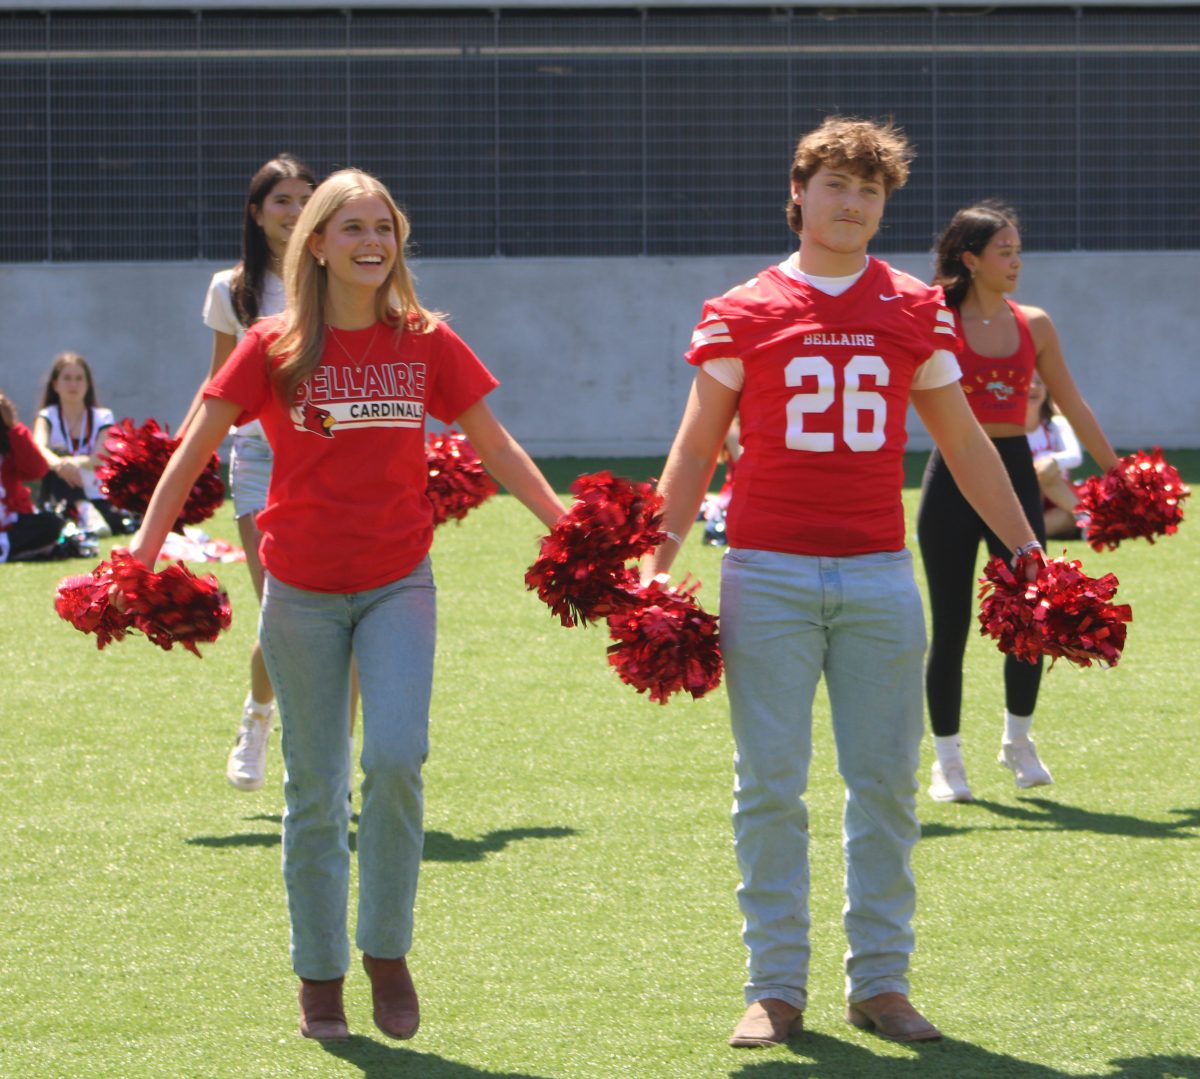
column 576, row 917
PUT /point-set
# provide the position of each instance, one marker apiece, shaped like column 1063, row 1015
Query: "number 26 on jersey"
column 815, row 378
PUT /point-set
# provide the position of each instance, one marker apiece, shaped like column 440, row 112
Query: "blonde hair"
column 302, row 341
column 865, row 148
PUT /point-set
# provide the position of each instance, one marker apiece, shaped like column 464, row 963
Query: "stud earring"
column 321, row 262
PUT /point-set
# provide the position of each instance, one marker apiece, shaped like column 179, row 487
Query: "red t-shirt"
column 346, row 509
column 23, row 461
column 997, row 387
column 823, row 405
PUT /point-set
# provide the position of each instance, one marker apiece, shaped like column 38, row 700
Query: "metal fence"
column 132, row 136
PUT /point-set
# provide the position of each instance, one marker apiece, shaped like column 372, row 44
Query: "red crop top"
column 997, row 387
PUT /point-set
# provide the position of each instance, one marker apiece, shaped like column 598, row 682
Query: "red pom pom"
column 133, row 463
column 170, row 607
column 578, row 583
column 84, row 601
column 580, row 573
column 176, row 606
column 1063, row 612
column 1141, row 495
column 620, row 515
column 665, row 642
column 458, row 482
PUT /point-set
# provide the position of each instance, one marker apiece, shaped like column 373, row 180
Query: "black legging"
column 948, row 531
column 32, row 535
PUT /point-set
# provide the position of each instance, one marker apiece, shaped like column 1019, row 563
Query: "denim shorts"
column 249, row 473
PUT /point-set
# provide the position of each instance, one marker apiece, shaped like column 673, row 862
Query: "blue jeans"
column 786, row 620
column 307, row 641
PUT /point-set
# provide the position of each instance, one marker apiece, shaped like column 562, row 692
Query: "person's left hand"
column 69, row 472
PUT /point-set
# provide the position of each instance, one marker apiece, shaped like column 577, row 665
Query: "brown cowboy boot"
column 397, row 1012
column 322, row 1015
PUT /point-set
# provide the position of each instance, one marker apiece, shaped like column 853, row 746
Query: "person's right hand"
column 8, row 412
column 139, row 549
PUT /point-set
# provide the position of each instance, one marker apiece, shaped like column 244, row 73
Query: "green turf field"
column 576, row 917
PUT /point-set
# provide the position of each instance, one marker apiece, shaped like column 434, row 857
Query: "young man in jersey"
column 819, row 358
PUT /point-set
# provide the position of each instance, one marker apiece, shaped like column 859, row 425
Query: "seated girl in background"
column 1055, row 451
column 70, row 429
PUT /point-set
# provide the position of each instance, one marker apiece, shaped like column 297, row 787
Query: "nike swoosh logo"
column 885, row 299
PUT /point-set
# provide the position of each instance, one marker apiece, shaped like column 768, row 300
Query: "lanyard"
column 74, row 448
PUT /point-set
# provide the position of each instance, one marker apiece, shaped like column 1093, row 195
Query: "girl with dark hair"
column 1002, row 346
column 236, row 299
column 342, row 383
column 70, row 428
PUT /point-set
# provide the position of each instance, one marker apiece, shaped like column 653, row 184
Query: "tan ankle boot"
column 322, row 1015
column 397, row 1012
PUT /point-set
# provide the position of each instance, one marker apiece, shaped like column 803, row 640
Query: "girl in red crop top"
column 997, row 387
column 1003, row 345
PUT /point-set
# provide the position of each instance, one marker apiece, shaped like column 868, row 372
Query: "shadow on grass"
column 444, row 847
column 381, row 1061
column 821, row 1056
column 1041, row 814
column 439, row 846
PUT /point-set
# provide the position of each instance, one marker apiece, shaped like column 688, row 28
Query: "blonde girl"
column 342, row 382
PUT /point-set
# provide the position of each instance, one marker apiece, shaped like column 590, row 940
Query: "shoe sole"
column 1025, row 784
column 342, row 1035
column 395, row 1036
column 860, row 1021
column 246, row 784
column 952, row 797
column 744, row 1042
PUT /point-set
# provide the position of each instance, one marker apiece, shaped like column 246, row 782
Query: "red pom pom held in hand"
column 580, row 572
column 1141, row 495
column 84, row 601
column 133, row 462
column 458, row 482
column 1062, row 612
column 665, row 642
column 171, row 607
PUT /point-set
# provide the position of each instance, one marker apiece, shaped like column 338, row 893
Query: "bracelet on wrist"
column 1026, row 549
column 673, row 536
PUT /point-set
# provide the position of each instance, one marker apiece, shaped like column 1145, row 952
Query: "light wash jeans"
column 786, row 620
column 307, row 641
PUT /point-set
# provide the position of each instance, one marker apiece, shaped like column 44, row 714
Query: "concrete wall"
column 588, row 350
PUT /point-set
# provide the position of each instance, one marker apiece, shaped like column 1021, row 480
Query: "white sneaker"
column 1022, row 759
column 247, row 764
column 949, row 783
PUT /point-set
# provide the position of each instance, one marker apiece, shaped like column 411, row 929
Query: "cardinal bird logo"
column 317, row 420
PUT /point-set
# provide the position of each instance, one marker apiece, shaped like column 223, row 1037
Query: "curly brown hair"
column 866, row 148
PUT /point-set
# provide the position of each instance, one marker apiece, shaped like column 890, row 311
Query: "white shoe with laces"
column 948, row 782
column 1021, row 758
column 247, row 764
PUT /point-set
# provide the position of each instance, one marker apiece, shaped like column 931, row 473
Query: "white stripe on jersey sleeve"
column 945, row 323
column 940, row 369
column 727, row 370
column 713, row 332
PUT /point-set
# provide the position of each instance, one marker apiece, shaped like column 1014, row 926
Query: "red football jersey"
column 823, row 406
